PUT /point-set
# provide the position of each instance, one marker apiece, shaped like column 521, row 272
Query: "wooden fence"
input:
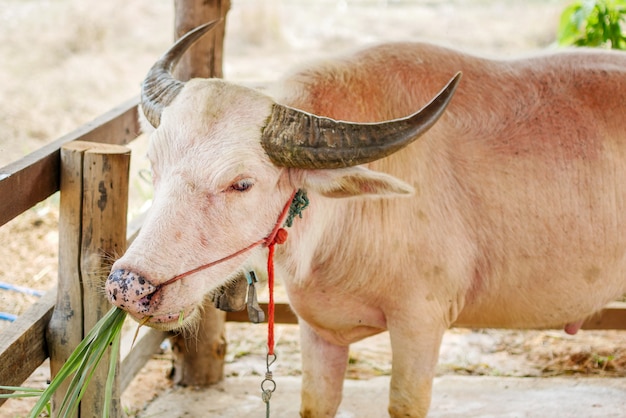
column 87, row 172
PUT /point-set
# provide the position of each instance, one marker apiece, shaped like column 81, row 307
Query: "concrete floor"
column 454, row 396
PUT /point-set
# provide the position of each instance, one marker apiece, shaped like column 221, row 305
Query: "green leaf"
column 81, row 364
column 20, row 392
column 596, row 23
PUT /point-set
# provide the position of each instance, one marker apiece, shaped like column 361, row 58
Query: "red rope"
column 279, row 238
column 270, row 306
column 211, row 264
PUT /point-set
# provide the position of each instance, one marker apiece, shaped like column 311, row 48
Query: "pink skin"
column 509, row 212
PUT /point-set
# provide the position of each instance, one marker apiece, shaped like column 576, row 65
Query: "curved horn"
column 293, row 138
column 160, row 88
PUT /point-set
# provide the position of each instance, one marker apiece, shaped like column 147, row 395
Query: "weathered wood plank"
column 282, row 314
column 35, row 177
column 103, row 235
column 613, row 316
column 148, row 342
column 204, row 59
column 22, row 346
column 65, row 330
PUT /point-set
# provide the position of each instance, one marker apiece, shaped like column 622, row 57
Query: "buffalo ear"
column 354, row 181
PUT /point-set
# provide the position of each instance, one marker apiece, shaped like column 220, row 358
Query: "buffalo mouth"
column 168, row 321
column 134, row 293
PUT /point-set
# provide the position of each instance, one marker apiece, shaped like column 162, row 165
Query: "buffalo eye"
column 242, row 185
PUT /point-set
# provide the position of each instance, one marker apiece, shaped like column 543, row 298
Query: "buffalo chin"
column 173, row 322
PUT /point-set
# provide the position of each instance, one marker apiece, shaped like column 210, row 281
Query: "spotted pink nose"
column 131, row 292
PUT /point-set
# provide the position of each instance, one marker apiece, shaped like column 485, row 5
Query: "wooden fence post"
column 65, row 330
column 204, row 58
column 94, row 205
column 199, row 361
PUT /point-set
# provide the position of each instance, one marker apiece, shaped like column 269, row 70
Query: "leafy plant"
column 595, row 23
column 80, row 367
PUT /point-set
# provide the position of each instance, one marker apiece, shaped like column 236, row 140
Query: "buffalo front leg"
column 415, row 355
column 323, row 369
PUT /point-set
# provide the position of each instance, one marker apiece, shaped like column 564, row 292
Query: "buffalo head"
column 225, row 160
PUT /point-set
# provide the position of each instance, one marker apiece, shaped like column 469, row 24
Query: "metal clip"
column 255, row 313
column 268, row 385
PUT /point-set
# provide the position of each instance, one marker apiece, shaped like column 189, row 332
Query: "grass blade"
column 19, row 392
column 82, row 363
column 108, row 392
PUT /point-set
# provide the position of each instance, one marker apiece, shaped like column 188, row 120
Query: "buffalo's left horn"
column 160, row 87
column 293, row 138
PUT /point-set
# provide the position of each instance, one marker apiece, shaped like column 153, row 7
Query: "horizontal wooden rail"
column 23, row 344
column 134, row 356
column 613, row 316
column 282, row 314
column 35, row 177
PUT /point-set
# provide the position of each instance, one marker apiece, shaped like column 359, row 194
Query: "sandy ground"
column 98, row 60
column 453, row 397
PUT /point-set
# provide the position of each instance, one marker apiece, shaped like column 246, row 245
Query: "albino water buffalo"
column 508, row 211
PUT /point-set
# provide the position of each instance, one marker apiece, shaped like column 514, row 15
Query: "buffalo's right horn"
column 293, row 138
column 160, row 87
